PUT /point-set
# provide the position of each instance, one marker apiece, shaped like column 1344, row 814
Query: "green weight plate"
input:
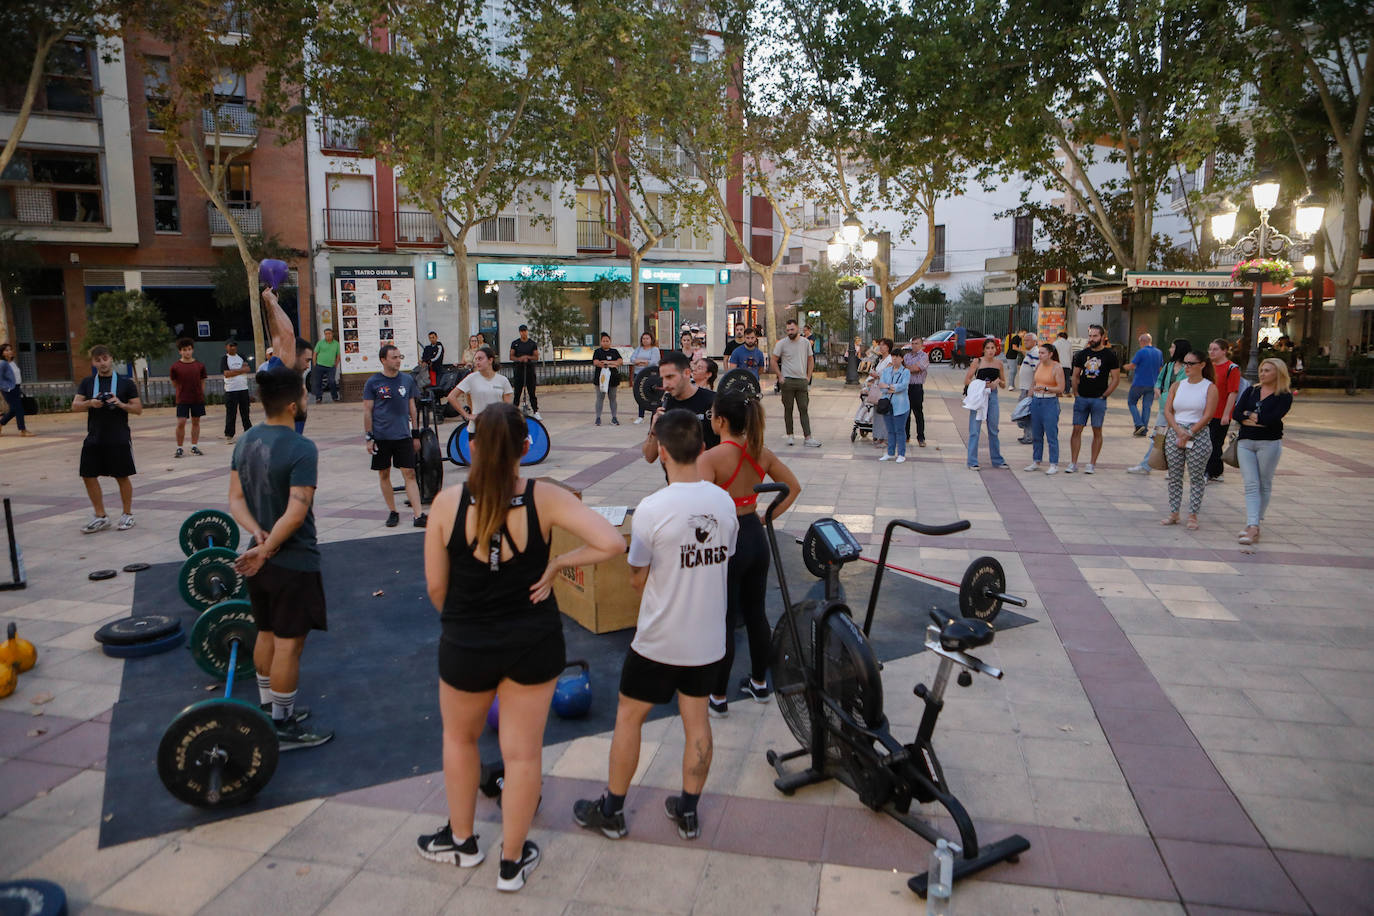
column 215, row 630
column 208, row 528
column 208, row 577
column 217, row 753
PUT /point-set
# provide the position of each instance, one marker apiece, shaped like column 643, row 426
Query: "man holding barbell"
column 271, row 493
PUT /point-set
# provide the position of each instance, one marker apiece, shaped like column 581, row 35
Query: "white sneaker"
column 1137, row 469
column 884, row 457
column 791, row 441
column 97, row 523
column 811, row 443
column 638, row 420
column 1033, row 466
column 538, row 416
column 1088, row 470
column 1052, row 469
column 1071, row 468
column 126, row 521
column 901, row 459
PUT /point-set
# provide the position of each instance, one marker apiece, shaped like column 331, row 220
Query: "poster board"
column 1051, row 323
column 376, row 306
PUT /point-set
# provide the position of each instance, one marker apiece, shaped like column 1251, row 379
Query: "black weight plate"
column 430, row 474
column 738, row 381
column 983, row 575
column 648, row 389
column 136, row 567
column 131, row 630
column 213, row 633
column 142, row 649
column 208, row 528
column 98, row 575
column 201, row 570
column 240, row 731
column 811, row 551
column 32, row 897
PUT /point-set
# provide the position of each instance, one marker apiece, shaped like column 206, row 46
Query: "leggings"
column 1196, row 459
column 602, row 396
column 746, row 586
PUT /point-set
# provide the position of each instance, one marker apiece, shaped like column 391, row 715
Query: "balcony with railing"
column 417, row 228
column 517, row 229
column 350, row 227
column 248, row 216
column 235, row 123
column 341, row 134
column 591, row 236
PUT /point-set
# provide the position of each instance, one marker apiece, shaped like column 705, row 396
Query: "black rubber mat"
column 373, row 679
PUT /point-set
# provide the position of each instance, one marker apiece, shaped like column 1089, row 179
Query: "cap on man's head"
column 523, row 327
column 433, row 333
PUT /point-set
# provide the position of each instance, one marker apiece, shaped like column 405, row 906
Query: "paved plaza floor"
column 1187, row 726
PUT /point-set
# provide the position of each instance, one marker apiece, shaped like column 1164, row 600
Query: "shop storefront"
column 675, row 297
column 1198, row 307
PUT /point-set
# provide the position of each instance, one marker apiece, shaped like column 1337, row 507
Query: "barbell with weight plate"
column 648, row 390
column 208, row 528
column 739, row 381
column 218, row 632
column 208, row 577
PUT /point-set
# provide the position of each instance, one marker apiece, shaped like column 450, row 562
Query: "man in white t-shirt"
column 680, row 546
column 794, row 362
column 235, row 370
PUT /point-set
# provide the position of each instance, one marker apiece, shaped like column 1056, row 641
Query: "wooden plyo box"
column 599, row 597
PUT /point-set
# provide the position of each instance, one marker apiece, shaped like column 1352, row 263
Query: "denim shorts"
column 1086, row 408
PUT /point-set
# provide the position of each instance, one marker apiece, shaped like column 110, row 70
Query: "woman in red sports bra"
column 737, row 465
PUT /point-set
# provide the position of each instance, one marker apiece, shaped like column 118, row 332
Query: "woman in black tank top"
column 490, row 574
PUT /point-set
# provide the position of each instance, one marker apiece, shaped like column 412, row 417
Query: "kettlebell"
column 17, row 651
column 572, row 695
column 9, row 678
column 272, row 273
column 493, row 716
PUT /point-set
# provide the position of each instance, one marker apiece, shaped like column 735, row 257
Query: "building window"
column 166, row 216
column 1022, row 233
column 937, row 260
column 239, row 188
column 68, row 84
column 43, row 188
column 156, row 79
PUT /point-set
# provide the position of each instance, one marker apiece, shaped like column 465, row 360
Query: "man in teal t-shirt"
column 326, row 359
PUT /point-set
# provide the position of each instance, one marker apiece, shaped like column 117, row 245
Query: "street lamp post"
column 1264, row 241
column 851, row 252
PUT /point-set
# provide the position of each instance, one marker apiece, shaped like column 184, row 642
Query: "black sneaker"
column 393, row 519
column 440, row 847
column 513, row 874
column 760, row 694
column 298, row 713
column 614, row 421
column 292, row 736
column 717, row 709
column 688, row 827
column 598, row 422
column 589, row 813
column 421, row 520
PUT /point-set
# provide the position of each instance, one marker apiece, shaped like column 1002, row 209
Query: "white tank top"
column 1190, row 401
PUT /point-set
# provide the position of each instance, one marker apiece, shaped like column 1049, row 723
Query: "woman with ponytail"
column 738, row 464
column 490, row 574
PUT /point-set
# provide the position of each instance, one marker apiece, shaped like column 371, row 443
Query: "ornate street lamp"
column 850, row 255
column 1264, row 242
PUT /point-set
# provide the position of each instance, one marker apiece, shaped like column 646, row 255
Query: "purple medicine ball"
column 272, row 273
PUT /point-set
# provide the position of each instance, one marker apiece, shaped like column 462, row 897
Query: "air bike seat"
column 959, row 634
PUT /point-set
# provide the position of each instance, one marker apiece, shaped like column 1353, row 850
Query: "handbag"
column 1228, row 454
column 884, row 406
column 1158, row 461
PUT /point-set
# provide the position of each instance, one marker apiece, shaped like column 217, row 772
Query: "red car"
column 941, row 344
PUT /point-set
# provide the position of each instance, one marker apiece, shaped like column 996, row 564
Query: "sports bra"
column 753, row 498
column 988, row 374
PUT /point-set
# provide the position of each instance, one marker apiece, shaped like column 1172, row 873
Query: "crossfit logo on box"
column 575, row 575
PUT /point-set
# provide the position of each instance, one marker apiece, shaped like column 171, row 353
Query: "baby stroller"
column 863, row 417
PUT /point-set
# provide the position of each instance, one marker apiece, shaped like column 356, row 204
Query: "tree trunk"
column 636, row 296
column 460, row 264
column 40, row 58
column 1343, row 277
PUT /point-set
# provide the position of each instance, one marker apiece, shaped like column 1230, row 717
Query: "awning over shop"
column 1153, row 279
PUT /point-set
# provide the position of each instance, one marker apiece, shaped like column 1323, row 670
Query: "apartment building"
column 108, row 208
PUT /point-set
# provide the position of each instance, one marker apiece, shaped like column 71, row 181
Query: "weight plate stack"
column 225, row 734
column 32, row 897
column 129, row 631
column 146, row 648
column 208, row 577
column 215, row 630
column 208, row 528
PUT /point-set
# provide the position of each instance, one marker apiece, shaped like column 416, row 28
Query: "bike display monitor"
column 834, row 541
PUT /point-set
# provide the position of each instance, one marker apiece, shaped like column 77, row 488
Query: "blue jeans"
column 1044, row 414
column 1145, row 396
column 896, row 432
column 1258, row 460
column 994, row 447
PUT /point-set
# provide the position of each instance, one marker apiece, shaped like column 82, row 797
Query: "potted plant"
column 1267, row 270
column 849, row 281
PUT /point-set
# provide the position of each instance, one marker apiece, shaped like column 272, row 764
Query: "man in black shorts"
column 271, row 493
column 680, row 546
column 524, row 353
column 108, row 451
column 681, row 393
column 391, row 431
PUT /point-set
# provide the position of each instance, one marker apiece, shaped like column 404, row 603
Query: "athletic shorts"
column 1085, row 409
column 287, row 602
column 99, row 459
column 391, row 453
column 190, row 410
column 654, row 682
column 480, row 670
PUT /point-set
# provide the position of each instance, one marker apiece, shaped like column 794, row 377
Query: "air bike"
column 826, row 679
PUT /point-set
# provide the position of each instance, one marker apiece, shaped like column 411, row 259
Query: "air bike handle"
column 931, row 530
